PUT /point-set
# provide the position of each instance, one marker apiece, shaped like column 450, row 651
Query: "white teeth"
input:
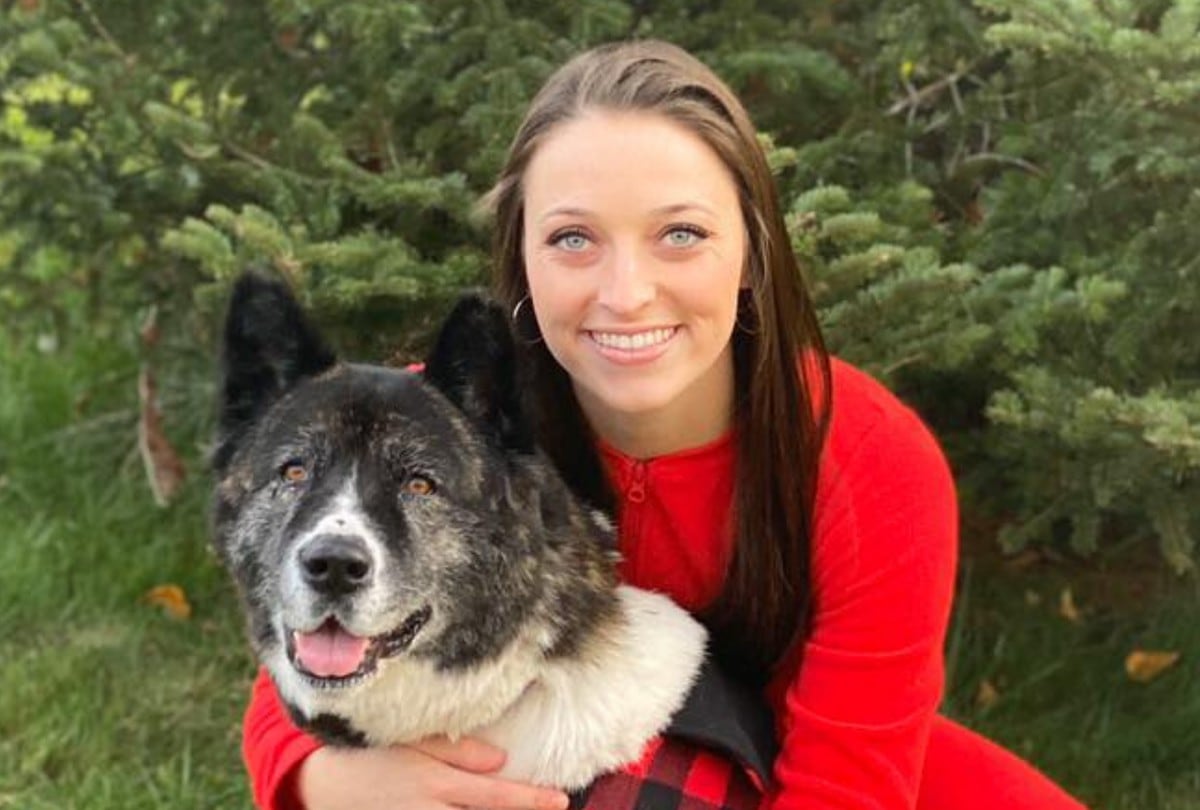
column 639, row 340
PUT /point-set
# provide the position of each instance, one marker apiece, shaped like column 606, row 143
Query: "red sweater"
column 854, row 720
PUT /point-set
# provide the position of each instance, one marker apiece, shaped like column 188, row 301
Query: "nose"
column 628, row 283
column 335, row 564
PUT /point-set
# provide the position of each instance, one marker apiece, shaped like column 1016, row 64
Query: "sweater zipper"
column 635, row 496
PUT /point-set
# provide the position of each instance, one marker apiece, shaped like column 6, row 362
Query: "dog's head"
column 370, row 513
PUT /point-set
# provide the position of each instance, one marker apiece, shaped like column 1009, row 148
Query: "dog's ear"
column 269, row 345
column 475, row 365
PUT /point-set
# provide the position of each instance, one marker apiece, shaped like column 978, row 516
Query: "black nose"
column 335, row 564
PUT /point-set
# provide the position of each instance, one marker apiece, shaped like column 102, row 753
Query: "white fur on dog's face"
column 366, row 613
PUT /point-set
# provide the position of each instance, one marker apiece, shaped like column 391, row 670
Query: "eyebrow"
column 674, row 208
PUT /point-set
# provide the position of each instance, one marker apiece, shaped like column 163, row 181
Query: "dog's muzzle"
column 336, row 568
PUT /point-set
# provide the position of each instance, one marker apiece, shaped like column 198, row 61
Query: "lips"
column 332, row 656
column 632, row 348
column 632, row 341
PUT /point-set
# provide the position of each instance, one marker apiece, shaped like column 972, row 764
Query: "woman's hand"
column 435, row 774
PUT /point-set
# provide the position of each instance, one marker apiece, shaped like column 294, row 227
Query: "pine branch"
column 86, row 8
column 916, row 98
column 996, row 157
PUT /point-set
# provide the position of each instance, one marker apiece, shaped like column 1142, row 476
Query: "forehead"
column 364, row 403
column 629, row 163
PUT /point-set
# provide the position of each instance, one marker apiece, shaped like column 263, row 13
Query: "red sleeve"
column 855, row 717
column 273, row 747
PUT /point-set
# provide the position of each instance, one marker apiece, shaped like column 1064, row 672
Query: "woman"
column 789, row 500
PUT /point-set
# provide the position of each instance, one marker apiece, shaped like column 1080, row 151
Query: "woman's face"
column 634, row 249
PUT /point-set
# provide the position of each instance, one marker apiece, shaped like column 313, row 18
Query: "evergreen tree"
column 992, row 199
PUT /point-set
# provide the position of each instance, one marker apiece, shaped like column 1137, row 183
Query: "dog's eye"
column 419, row 485
column 294, row 472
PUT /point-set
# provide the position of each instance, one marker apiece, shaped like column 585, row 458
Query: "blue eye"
column 570, row 240
column 682, row 236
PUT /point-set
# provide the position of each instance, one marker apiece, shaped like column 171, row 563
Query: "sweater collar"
column 619, row 464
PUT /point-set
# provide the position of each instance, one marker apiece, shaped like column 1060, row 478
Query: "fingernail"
column 561, row 801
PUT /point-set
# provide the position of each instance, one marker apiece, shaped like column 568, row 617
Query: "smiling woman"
column 785, row 498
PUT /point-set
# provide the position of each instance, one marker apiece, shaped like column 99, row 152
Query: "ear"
column 269, row 345
column 474, row 364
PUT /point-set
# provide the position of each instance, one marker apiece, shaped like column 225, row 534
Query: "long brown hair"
column 781, row 406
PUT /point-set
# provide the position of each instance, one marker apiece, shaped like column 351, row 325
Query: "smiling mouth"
column 633, row 341
column 331, row 656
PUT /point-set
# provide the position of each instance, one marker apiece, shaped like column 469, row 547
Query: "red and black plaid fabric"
column 674, row 774
column 715, row 755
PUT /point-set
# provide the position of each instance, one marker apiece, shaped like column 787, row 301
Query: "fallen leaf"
column 1066, row 606
column 171, row 599
column 987, row 695
column 1143, row 666
column 164, row 468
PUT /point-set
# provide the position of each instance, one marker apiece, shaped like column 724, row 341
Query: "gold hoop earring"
column 745, row 306
column 516, row 315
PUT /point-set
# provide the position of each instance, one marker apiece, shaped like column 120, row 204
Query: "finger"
column 467, row 753
column 501, row 794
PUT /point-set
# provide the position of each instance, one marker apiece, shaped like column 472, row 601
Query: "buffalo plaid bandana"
column 715, row 755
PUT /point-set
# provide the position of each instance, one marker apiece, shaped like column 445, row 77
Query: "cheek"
column 710, row 291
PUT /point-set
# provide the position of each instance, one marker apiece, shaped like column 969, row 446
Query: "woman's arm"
column 855, row 717
column 272, row 748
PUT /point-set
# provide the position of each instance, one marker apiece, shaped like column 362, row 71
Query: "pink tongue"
column 330, row 652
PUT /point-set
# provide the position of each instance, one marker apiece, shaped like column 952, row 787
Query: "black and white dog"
column 411, row 565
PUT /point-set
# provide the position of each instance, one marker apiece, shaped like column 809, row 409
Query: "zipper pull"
column 636, row 493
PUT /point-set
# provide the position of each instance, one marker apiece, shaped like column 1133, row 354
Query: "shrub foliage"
column 996, row 201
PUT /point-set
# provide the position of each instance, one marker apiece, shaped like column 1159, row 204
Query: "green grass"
column 107, row 704
column 1065, row 701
